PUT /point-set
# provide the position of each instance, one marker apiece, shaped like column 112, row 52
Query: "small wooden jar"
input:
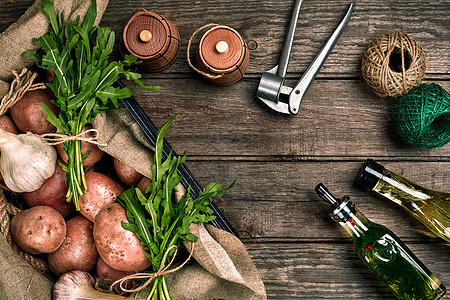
column 222, row 55
column 153, row 39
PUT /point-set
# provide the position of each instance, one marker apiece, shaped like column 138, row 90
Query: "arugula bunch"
column 157, row 220
column 82, row 83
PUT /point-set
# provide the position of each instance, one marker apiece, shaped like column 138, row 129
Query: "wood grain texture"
column 277, row 160
column 330, row 270
column 263, row 23
column 337, row 118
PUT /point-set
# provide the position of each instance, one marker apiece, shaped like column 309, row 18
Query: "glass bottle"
column 384, row 253
column 431, row 207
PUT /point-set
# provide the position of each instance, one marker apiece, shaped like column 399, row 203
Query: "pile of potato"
column 91, row 239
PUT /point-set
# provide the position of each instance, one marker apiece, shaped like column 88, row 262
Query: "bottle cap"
column 369, row 174
column 342, row 209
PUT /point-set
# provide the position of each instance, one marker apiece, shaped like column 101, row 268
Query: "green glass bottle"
column 431, row 207
column 383, row 252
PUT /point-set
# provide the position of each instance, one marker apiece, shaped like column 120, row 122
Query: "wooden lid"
column 146, row 35
column 221, row 49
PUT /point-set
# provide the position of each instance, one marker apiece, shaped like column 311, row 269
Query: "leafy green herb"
column 82, row 82
column 157, row 220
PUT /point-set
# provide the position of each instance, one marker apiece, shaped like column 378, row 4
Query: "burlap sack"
column 222, row 268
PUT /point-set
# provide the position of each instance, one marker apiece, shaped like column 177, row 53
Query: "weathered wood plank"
column 263, row 25
column 337, row 118
column 276, row 201
column 331, row 271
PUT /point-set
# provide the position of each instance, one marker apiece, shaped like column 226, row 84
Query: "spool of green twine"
column 422, row 116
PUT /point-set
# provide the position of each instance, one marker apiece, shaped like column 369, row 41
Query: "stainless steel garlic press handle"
column 271, row 87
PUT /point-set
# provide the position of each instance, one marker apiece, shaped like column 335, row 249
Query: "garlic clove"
column 25, row 162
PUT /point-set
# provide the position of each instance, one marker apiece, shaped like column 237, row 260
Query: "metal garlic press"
column 271, row 89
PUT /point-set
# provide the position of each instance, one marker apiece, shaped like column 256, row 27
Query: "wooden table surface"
column 278, row 159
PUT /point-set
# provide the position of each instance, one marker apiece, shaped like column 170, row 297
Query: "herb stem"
column 169, row 232
column 152, row 292
column 165, row 289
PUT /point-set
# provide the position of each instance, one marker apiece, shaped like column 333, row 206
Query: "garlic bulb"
column 25, row 162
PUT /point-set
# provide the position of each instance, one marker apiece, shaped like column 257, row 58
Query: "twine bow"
column 21, row 84
column 53, row 139
column 163, row 270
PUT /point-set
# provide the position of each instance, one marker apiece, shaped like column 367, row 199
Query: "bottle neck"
column 392, row 186
column 354, row 222
column 355, row 225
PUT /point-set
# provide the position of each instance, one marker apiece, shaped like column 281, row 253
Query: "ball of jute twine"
column 23, row 82
column 422, row 116
column 393, row 64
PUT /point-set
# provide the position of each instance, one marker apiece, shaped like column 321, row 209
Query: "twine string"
column 376, row 69
column 163, row 270
column 53, row 139
column 207, row 75
column 21, row 84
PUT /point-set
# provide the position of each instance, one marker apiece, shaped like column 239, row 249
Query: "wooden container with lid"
column 222, row 55
column 153, row 39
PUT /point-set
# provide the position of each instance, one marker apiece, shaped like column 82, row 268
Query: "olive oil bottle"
column 383, row 252
column 431, row 207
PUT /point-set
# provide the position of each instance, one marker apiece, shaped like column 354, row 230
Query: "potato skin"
column 101, row 191
column 78, row 251
column 52, row 193
column 40, row 229
column 142, row 185
column 105, row 271
column 127, row 175
column 29, row 115
column 7, row 124
column 118, row 247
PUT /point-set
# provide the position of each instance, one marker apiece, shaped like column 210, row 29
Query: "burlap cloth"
column 222, row 268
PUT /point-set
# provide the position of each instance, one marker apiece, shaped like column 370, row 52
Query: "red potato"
column 52, row 193
column 95, row 154
column 127, row 175
column 78, row 251
column 142, row 185
column 29, row 115
column 111, row 274
column 37, row 230
column 7, row 124
column 49, row 75
column 121, row 249
column 101, row 191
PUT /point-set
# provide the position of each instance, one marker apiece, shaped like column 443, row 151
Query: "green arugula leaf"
column 167, row 221
column 114, row 94
column 89, row 18
column 47, row 8
column 136, row 215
